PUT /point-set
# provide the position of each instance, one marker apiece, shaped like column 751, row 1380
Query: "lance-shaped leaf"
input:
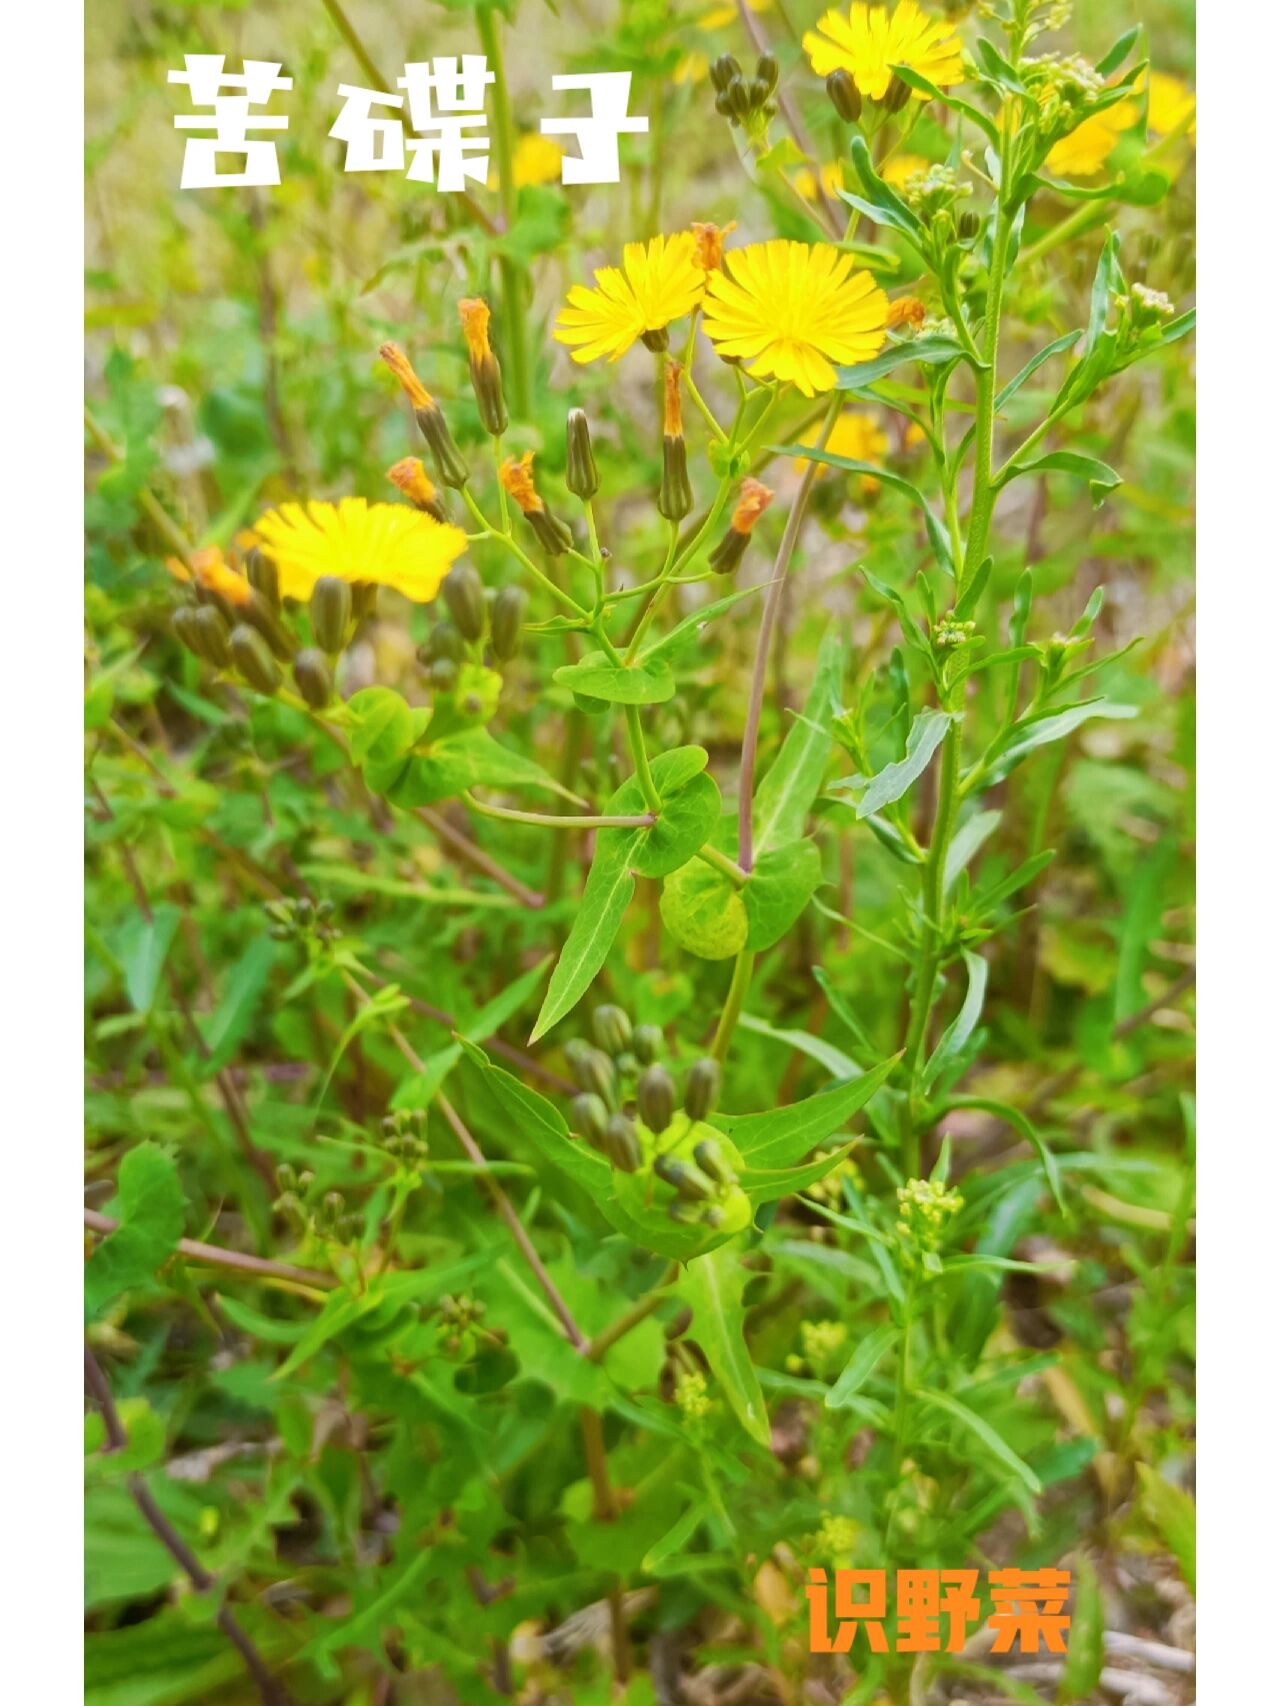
column 712, row 1286
column 1102, row 479
column 605, row 899
column 779, row 1137
column 764, row 1185
column 784, row 798
column 933, row 527
column 861, row 1366
column 961, row 1028
column 533, row 1120
column 931, row 351
column 647, row 681
column 983, row 1432
column 891, row 783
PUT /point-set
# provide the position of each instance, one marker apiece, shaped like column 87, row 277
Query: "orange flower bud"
column 516, row 479
column 753, row 499
column 402, row 367
column 708, row 244
column 473, row 311
column 672, row 426
column 906, row 311
column 411, row 478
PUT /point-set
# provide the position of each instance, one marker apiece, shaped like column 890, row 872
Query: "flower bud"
column 580, row 475
column 968, row 226
column 444, row 641
column 689, row 1181
column 739, row 98
column 506, row 619
column 313, row 676
column 256, row 611
column 444, row 675
column 724, row 70
column 896, row 95
column 252, row 658
column 516, row 479
column 675, row 495
column 753, row 500
column 590, row 1117
column 594, row 1071
column 464, row 594
column 767, row 72
column 263, row 576
column 612, row 1029
column 711, row 1158
column 701, row 1088
column 410, row 477
column 621, row 1143
column 656, row 1098
column 364, row 600
column 183, row 624
column 450, row 467
column 486, row 375
column 211, row 635
column 330, row 613
column 646, row 1043
column 843, row 94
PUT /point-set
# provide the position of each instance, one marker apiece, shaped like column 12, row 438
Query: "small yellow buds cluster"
column 516, row 478
column 486, row 375
column 451, row 470
column 675, row 495
column 829, row 1188
column 822, row 1340
column 691, row 1396
column 409, row 477
column 949, row 634
column 836, row 1539
column 753, row 499
column 925, row 1208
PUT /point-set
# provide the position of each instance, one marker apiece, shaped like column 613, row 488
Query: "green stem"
column 732, row 1012
column 635, row 735
column 723, row 863
column 522, row 557
column 512, row 290
column 935, row 875
column 984, row 424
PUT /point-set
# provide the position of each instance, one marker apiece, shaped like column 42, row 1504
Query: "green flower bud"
column 896, row 95
column 552, row 533
column 364, row 600
column 211, row 634
column 444, row 675
column 330, row 613
column 701, row 1088
column 506, row 619
column 767, row 72
column 252, row 657
column 580, row 475
column 646, row 1041
column 843, row 94
column 451, row 470
column 722, row 104
column 656, row 1098
column 611, row 1028
column 622, row 1145
column 313, row 676
column 675, row 495
column 259, row 614
column 968, row 226
column 183, row 624
column 689, row 1181
column 444, row 641
column 590, row 1117
column 724, row 70
column 594, row 1071
column 464, row 594
column 729, row 552
column 711, row 1158
column 263, row 576
column 739, row 99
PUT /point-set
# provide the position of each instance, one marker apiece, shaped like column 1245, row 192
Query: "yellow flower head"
column 1084, row 151
column 855, row 435
column 719, row 16
column 473, row 311
column 211, row 570
column 410, row 477
column 1169, row 102
column 537, row 160
column 516, row 479
column 402, row 367
column 873, row 39
column 899, row 169
column 384, row 544
column 793, row 310
column 708, row 243
column 658, row 282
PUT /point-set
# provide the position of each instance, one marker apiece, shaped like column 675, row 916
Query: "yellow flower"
column 899, row 169
column 693, row 68
column 857, row 436
column 792, row 310
column 658, row 282
column 832, row 180
column 536, row 160
column 1084, row 151
column 719, row 16
column 873, row 39
column 385, row 544
column 1169, row 102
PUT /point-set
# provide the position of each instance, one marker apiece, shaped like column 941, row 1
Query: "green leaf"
column 712, row 1286
column 469, row 760
column 778, row 890
column 930, row 351
column 534, row 1121
column 1102, row 479
column 605, row 899
column 764, row 1185
column 785, row 797
column 1038, row 360
column 342, row 1309
column 1173, row 1515
column 916, row 80
column 142, row 953
column 885, row 206
column 418, row 1088
column 983, row 1432
column 704, row 911
column 1035, row 732
column 780, row 1136
column 965, row 843
column 1025, row 1129
column 1083, row 1664
column 690, row 810
column 861, row 1365
column 644, row 682
column 923, row 740
column 961, row 1028
column 382, row 725
column 938, row 538
column 688, row 632
column 226, row 1027
column 151, row 1214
